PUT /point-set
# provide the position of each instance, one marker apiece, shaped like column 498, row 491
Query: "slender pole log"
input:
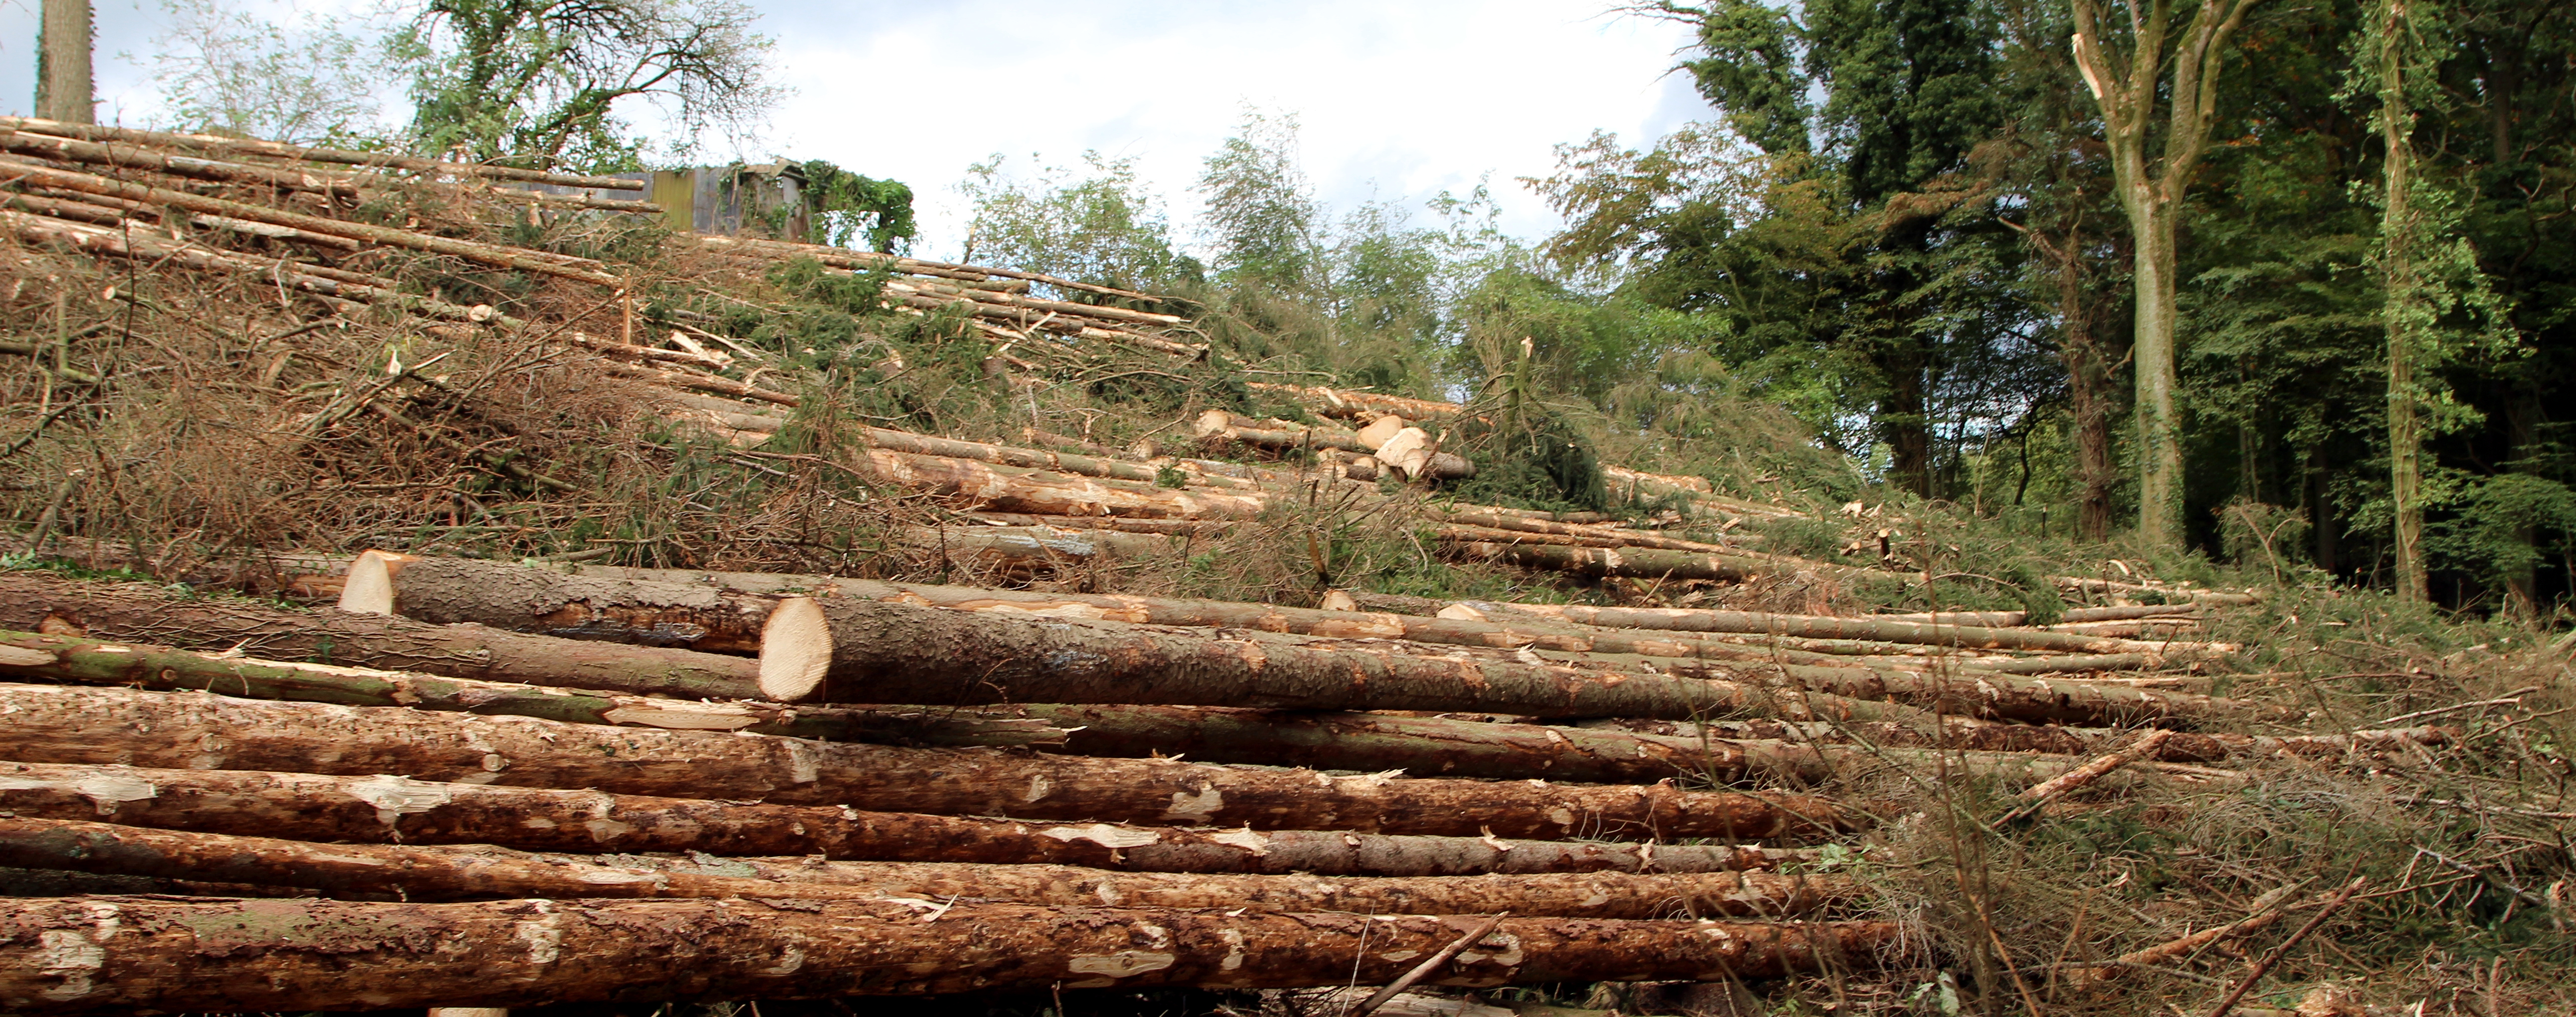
column 1829, row 627
column 1351, row 405
column 1602, row 562
column 1276, row 434
column 843, row 650
column 443, row 872
column 1017, row 489
column 67, row 150
column 28, row 656
column 60, row 955
column 92, row 725
column 447, row 591
column 1956, row 733
column 381, row 809
column 281, row 150
column 693, row 381
column 45, row 601
column 1505, row 530
column 2008, row 619
column 488, row 254
column 2040, row 795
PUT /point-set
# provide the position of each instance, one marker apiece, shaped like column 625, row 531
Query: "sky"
column 1398, row 101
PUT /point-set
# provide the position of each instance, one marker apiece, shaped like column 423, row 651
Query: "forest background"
column 2278, row 284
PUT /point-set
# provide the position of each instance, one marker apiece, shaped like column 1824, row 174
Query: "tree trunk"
column 1601, row 562
column 2160, row 487
column 1422, row 746
column 2403, row 313
column 1830, row 627
column 82, row 725
column 447, row 591
column 131, row 665
column 31, row 601
column 843, row 650
column 63, row 88
column 64, row 956
column 381, row 809
column 1045, row 492
column 481, row 872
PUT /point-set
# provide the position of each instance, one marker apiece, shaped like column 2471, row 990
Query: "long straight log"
column 1018, row 489
column 35, row 657
column 449, row 591
column 37, row 601
column 1831, row 627
column 1352, row 405
column 444, row 872
column 488, row 254
column 65, row 956
column 281, row 150
column 1971, row 691
column 1644, row 563
column 96, row 725
column 848, row 650
column 381, row 810
column 68, row 150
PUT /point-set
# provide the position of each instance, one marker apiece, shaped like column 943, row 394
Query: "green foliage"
column 1262, row 216
column 226, row 71
column 536, row 82
column 1100, row 227
column 846, row 205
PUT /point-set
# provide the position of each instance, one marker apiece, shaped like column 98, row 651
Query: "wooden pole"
column 333, row 955
column 379, row 809
column 94, row 725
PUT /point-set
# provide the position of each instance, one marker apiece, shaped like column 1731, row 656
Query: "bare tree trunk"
column 380, row 809
column 2403, row 314
column 63, row 89
column 56, row 956
column 85, row 725
column 441, row 872
column 30, row 601
column 841, row 650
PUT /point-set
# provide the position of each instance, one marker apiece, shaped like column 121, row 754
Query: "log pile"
column 829, row 769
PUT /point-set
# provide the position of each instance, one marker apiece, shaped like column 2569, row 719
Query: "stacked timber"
column 786, row 782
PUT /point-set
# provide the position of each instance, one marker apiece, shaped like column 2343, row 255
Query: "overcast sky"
column 1398, row 100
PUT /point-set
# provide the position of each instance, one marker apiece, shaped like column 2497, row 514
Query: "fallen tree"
column 382, row 809
column 62, row 956
column 1831, row 627
column 446, row 872
column 94, row 725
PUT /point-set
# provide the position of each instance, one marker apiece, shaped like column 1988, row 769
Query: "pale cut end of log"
column 1213, row 423
column 1339, row 600
column 795, row 650
column 1376, row 434
column 1461, row 611
column 369, row 589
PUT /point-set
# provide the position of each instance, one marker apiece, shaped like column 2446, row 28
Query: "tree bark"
column 1599, row 562
column 63, row 82
column 2151, row 193
column 841, row 650
column 30, row 601
column 481, row 872
column 132, row 665
column 447, row 591
column 1833, row 627
column 381, row 809
column 2403, row 314
column 1349, row 405
column 1046, row 492
column 64, row 956
column 85, row 725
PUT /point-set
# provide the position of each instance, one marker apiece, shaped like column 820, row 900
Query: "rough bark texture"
column 481, row 872
column 29, row 656
column 1420, row 746
column 1830, row 627
column 89, row 955
column 381, row 809
column 1046, row 492
column 154, row 614
column 444, row 591
column 86, row 725
column 1600, row 561
column 882, row 651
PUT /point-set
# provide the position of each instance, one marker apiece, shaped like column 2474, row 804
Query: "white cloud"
column 1398, row 100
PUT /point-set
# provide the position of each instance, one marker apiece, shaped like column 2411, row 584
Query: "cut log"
column 1046, row 492
column 2008, row 619
column 1350, row 405
column 1276, row 435
column 40, row 601
column 446, row 591
column 36, row 657
column 1421, row 746
column 879, row 651
column 94, row 725
column 793, row 674
column 442, row 872
column 58, row 955
column 210, row 142
column 381, row 809
column 1605, row 562
column 1831, row 627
